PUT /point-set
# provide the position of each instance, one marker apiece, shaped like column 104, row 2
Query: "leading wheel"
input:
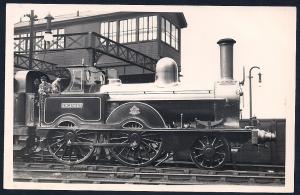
column 60, row 145
column 210, row 152
column 144, row 147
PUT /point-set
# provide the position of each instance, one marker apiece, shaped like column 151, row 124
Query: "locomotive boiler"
column 136, row 124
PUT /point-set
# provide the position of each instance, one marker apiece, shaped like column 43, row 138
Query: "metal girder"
column 111, row 48
column 90, row 41
column 22, row 62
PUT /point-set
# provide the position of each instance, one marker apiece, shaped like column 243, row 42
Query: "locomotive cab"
column 80, row 105
column 84, row 79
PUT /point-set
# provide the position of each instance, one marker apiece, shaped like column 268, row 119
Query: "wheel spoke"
column 221, row 153
column 58, row 136
column 209, row 156
column 201, row 143
column 150, row 140
column 118, row 138
column 196, row 148
column 149, row 146
column 213, row 141
column 139, row 155
column 89, row 140
column 123, row 142
column 81, row 150
column 124, row 133
column 218, row 160
column 65, row 151
column 59, row 148
column 85, row 133
column 197, row 156
column 207, row 141
column 135, row 156
column 202, row 162
column 144, row 146
column 219, row 146
column 127, row 154
column 70, row 154
column 56, row 142
column 78, row 154
column 148, row 154
column 121, row 151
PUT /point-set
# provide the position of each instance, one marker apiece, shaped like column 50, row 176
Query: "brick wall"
column 83, row 27
column 65, row 58
column 167, row 51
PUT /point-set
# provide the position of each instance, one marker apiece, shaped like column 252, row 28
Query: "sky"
column 265, row 36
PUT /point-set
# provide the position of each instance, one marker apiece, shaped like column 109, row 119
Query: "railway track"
column 101, row 174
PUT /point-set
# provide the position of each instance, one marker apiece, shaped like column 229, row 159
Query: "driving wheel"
column 210, row 152
column 60, row 145
column 144, row 147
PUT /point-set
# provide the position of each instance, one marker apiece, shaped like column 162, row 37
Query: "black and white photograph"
column 150, row 98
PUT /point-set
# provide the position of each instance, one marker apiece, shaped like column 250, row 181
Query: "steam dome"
column 166, row 72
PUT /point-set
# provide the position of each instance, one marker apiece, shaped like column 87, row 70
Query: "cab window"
column 77, row 83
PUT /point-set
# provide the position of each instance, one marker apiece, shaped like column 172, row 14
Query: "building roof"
column 90, row 15
column 65, row 17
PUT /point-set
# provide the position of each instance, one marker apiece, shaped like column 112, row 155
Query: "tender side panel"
column 84, row 108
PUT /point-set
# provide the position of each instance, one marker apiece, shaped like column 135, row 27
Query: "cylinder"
column 226, row 58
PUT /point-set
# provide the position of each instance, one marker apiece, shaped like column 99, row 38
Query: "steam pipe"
column 250, row 89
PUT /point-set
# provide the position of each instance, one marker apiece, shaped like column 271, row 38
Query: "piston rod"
column 100, row 144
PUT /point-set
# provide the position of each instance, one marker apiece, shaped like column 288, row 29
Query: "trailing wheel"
column 61, row 147
column 210, row 152
column 144, row 147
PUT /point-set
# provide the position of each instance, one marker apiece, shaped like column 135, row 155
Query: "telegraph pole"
column 32, row 18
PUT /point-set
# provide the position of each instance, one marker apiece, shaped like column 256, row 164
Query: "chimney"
column 226, row 58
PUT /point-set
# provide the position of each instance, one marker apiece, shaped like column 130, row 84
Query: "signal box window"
column 39, row 41
column 58, row 39
column 147, row 28
column 127, row 31
column 109, row 30
column 174, row 36
column 169, row 33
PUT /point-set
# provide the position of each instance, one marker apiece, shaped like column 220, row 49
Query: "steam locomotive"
column 136, row 124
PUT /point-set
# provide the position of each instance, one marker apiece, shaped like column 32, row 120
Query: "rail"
column 58, row 173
